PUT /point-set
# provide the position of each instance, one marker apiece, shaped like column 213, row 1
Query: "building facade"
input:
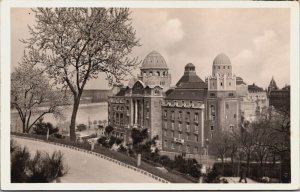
column 279, row 98
column 183, row 115
column 138, row 105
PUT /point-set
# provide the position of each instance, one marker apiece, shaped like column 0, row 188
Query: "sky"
column 257, row 41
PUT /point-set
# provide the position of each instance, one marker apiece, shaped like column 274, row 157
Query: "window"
column 218, row 67
column 196, row 117
column 187, row 136
column 230, row 94
column 165, row 133
column 212, row 112
column 229, row 84
column 173, row 115
column 187, row 116
column 172, row 134
column 196, row 150
column 172, row 125
column 166, row 143
column 179, row 147
column 226, row 116
column 179, row 135
column 227, row 106
column 223, row 67
column 221, row 84
column 165, row 124
column 211, row 135
column 196, row 129
column 231, row 127
column 158, row 73
column 165, row 113
column 150, row 73
column 228, row 67
column 180, row 115
column 188, row 127
column 187, row 148
column 145, row 73
column 179, row 127
column 196, row 138
column 147, row 104
column 172, row 146
column 164, row 73
column 147, row 113
column 234, row 116
column 212, row 128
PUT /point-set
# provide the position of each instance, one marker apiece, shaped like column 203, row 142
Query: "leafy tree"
column 108, row 129
column 32, row 95
column 76, row 44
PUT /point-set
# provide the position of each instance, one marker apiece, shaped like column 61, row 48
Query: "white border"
column 5, row 89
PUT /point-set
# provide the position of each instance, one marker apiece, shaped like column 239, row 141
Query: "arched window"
column 221, row 84
column 164, row 73
column 158, row 73
column 212, row 111
column 150, row 73
column 223, row 67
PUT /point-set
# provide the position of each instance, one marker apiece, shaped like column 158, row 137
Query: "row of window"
column 219, row 67
column 157, row 73
column 180, row 147
column 180, row 127
column 180, row 115
column 187, row 136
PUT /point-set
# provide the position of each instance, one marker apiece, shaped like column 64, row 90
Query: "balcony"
column 196, row 132
column 177, row 140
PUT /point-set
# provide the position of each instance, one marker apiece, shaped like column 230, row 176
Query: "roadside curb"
column 98, row 155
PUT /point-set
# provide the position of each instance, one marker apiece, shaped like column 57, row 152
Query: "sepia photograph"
column 203, row 95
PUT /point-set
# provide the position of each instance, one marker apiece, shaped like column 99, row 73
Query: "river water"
column 86, row 112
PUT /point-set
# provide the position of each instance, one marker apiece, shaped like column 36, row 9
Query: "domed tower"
column 222, row 65
column 272, row 85
column 154, row 71
column 222, row 78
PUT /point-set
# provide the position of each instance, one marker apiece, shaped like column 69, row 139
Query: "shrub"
column 81, row 127
column 41, row 128
column 42, row 168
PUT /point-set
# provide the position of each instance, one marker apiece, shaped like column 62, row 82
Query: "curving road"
column 88, row 168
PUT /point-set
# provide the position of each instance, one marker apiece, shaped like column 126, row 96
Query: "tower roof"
column 190, row 79
column 272, row 85
column 154, row 60
column 221, row 59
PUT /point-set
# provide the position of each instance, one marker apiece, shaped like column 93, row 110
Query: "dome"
column 189, row 65
column 154, row 60
column 221, row 59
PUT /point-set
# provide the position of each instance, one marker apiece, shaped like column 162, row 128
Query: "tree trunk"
column 222, row 157
column 73, row 118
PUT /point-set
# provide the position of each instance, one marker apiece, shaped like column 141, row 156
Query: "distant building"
column 279, row 98
column 253, row 101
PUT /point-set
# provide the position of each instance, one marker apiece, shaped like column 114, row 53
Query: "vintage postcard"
column 153, row 95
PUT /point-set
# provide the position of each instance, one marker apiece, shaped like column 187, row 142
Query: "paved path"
column 236, row 180
column 88, row 168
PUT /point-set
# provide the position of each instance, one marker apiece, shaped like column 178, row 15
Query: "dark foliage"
column 81, row 127
column 41, row 128
column 42, row 168
column 108, row 129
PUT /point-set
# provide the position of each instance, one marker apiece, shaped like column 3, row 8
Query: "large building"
column 187, row 117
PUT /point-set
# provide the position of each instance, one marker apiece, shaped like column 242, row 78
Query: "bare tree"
column 76, row 44
column 32, row 95
column 220, row 146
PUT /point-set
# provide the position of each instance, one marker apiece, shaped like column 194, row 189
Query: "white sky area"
column 257, row 41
